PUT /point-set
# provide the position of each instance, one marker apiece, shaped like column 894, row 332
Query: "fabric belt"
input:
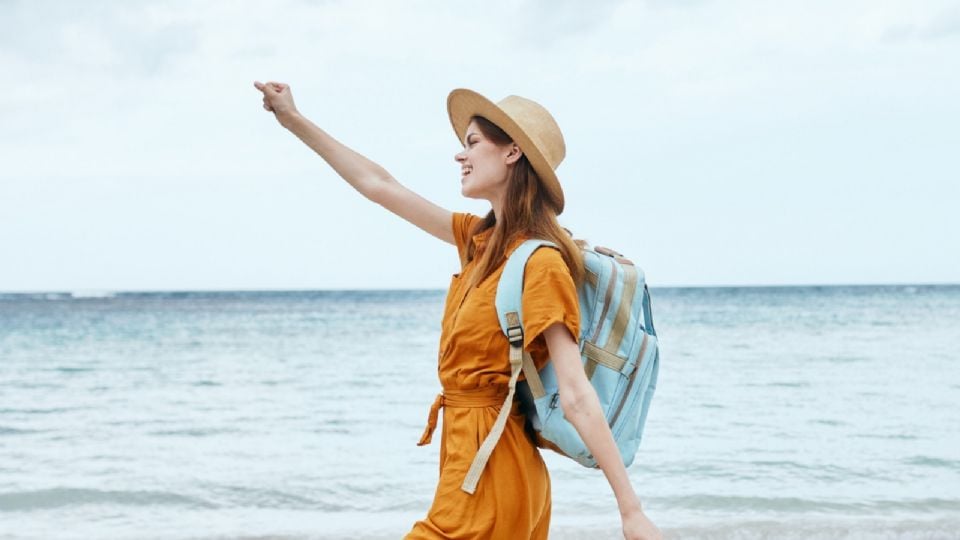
column 486, row 396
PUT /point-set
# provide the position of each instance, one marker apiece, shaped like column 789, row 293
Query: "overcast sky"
column 714, row 143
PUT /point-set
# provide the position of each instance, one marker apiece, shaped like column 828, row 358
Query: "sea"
column 815, row 412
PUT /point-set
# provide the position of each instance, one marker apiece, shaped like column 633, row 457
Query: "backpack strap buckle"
column 514, row 330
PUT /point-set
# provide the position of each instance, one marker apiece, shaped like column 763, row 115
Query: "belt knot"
column 484, row 396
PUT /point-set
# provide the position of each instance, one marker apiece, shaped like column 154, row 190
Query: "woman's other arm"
column 582, row 408
column 367, row 177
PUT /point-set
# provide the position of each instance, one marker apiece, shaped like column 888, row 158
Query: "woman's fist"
column 277, row 99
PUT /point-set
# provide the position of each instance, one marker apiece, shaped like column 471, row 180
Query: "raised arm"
column 370, row 179
column 582, row 407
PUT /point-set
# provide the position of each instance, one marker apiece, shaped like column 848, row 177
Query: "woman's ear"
column 513, row 155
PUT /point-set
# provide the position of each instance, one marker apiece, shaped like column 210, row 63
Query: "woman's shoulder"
column 463, row 224
column 547, row 259
column 465, row 220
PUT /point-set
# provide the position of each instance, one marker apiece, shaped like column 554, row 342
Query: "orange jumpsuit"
column 512, row 500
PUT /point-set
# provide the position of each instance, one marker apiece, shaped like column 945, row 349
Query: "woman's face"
column 484, row 165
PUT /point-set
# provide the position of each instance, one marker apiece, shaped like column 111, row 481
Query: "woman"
column 511, row 149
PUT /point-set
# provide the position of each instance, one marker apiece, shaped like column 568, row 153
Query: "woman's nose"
column 459, row 157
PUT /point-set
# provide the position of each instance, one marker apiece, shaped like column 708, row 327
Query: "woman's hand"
column 636, row 526
column 277, row 99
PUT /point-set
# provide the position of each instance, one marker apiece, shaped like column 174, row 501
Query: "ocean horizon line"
column 100, row 292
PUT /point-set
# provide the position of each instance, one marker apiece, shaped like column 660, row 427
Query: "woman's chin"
column 467, row 191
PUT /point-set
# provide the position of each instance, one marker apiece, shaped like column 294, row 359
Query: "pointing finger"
column 267, row 89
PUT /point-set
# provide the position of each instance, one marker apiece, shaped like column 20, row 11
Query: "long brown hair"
column 527, row 211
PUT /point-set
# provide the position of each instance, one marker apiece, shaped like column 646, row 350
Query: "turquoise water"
column 793, row 412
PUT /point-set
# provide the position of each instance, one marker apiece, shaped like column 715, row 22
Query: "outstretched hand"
column 277, row 98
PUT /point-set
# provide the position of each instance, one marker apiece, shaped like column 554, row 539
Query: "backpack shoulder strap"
column 511, row 285
column 509, row 300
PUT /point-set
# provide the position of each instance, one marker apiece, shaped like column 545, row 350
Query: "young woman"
column 510, row 152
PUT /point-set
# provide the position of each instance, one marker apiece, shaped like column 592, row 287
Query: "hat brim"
column 464, row 104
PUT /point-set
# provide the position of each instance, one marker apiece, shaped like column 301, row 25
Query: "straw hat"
column 526, row 122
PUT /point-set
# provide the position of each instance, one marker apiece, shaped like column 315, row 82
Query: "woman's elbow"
column 377, row 188
column 576, row 401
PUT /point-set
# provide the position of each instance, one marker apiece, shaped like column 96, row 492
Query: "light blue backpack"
column 618, row 345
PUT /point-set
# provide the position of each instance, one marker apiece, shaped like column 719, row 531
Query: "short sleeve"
column 463, row 225
column 549, row 296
